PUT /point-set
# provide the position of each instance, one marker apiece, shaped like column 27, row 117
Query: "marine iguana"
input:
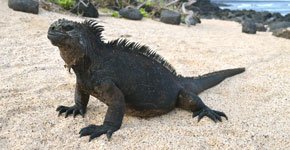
column 128, row 77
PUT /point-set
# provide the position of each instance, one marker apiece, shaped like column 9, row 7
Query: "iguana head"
column 63, row 32
column 74, row 39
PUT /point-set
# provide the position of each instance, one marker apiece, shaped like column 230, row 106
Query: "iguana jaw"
column 56, row 37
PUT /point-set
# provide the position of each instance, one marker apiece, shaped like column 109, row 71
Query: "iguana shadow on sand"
column 128, row 77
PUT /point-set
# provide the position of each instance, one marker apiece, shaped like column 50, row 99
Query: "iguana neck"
column 80, row 57
column 71, row 56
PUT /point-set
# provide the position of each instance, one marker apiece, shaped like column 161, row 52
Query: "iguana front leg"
column 111, row 95
column 80, row 107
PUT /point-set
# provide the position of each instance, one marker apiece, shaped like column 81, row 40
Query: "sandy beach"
column 34, row 82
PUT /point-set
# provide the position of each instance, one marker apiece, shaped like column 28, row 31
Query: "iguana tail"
column 211, row 79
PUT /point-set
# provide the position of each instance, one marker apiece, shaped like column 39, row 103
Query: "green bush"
column 143, row 12
column 116, row 14
column 66, row 4
column 149, row 3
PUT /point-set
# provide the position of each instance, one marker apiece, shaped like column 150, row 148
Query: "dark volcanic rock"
column 223, row 14
column 238, row 19
column 205, row 9
column 209, row 10
column 29, row 6
column 170, row 17
column 131, row 13
column 279, row 25
column 206, row 6
column 238, row 13
column 87, row 9
column 249, row 27
column 284, row 33
column 194, row 9
column 257, row 17
column 276, row 17
column 270, row 20
column 197, row 19
column 243, row 15
column 191, row 20
column 260, row 27
column 287, row 17
column 266, row 15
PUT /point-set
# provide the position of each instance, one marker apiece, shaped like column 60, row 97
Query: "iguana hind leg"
column 190, row 101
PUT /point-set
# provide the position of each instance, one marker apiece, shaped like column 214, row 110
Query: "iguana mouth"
column 55, row 36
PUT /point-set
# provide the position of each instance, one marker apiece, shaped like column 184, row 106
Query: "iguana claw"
column 75, row 110
column 212, row 114
column 95, row 131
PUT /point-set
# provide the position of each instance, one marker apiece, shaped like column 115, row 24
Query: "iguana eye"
column 67, row 28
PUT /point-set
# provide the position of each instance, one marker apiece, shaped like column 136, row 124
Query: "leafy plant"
column 66, row 4
column 116, row 14
column 143, row 12
column 149, row 3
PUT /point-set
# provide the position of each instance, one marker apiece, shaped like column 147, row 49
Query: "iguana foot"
column 96, row 131
column 212, row 114
column 75, row 110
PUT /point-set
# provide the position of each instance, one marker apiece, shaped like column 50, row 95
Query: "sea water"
column 280, row 6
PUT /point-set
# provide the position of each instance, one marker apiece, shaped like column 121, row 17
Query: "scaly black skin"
column 128, row 77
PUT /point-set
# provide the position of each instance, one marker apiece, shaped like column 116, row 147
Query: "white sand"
column 34, row 82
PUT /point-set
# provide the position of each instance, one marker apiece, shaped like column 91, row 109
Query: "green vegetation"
column 105, row 10
column 66, row 4
column 149, row 3
column 148, row 7
column 143, row 12
column 116, row 14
